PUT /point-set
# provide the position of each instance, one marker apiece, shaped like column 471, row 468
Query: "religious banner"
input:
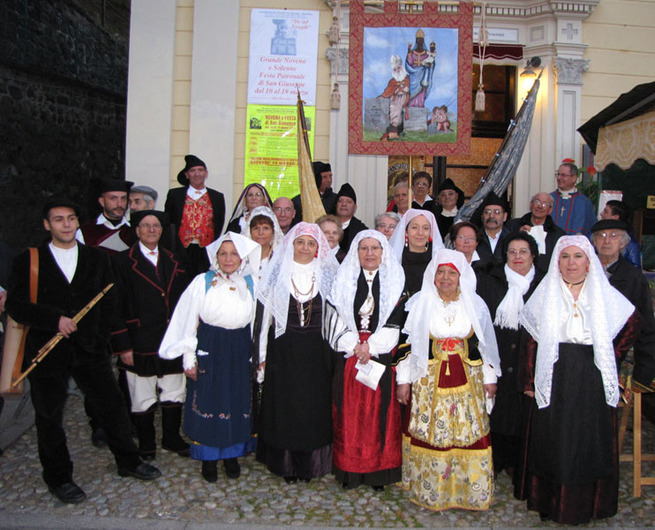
column 410, row 80
column 272, row 147
column 283, row 55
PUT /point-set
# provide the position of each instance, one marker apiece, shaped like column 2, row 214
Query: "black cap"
column 610, row 224
column 137, row 217
column 191, row 161
column 347, row 191
column 493, row 199
column 107, row 185
column 60, row 202
column 320, row 167
column 448, row 184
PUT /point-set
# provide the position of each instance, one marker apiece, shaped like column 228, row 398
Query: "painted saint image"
column 413, row 104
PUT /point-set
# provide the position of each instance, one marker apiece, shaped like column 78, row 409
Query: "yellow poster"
column 272, row 148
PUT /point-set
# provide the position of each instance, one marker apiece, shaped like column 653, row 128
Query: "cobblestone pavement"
column 181, row 498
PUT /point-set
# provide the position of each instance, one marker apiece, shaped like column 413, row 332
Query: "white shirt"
column 102, row 220
column 194, row 193
column 151, row 255
column 66, row 259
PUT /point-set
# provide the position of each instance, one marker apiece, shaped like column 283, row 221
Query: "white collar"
column 194, row 193
column 102, row 220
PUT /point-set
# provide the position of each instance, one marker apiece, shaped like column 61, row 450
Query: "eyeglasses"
column 558, row 174
column 610, row 235
column 373, row 249
column 420, row 184
column 254, row 194
column 148, row 226
column 382, row 226
column 497, row 211
column 518, row 252
column 287, row 210
column 466, row 239
column 541, row 204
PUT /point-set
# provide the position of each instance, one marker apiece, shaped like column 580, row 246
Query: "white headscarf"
column 249, row 251
column 240, row 210
column 392, row 280
column 277, row 231
column 275, row 284
column 426, row 302
column 397, row 240
column 507, row 312
column 543, row 311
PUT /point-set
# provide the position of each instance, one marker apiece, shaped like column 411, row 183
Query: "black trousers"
column 49, row 390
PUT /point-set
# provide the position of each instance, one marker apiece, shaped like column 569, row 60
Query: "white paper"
column 369, row 374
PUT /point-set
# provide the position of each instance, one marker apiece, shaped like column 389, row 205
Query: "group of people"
column 377, row 355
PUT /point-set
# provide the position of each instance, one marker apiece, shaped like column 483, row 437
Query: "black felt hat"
column 610, row 224
column 137, row 217
column 347, row 191
column 191, row 161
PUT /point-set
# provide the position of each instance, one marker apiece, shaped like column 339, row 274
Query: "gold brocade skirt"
column 447, row 460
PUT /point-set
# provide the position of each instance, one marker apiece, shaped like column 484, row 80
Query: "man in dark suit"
column 323, row 177
column 70, row 275
column 345, row 209
column 149, row 283
column 197, row 212
column 492, row 215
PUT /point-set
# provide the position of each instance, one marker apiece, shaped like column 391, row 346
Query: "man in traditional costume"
column 572, row 211
column 610, row 237
column 111, row 230
column 345, row 211
column 70, row 275
column 198, row 213
column 149, row 282
column 492, row 216
column 323, row 177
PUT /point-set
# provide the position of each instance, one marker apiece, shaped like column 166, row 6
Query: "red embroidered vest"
column 197, row 221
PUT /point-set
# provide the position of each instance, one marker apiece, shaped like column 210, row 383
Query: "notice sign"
column 283, row 56
column 272, row 148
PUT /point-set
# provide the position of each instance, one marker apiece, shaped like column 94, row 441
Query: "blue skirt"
column 218, row 405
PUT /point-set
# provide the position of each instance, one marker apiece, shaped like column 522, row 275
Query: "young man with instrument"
column 48, row 294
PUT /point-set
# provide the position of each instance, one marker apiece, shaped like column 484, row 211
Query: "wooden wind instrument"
column 48, row 346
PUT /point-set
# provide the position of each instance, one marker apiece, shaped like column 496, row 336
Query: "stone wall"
column 63, row 86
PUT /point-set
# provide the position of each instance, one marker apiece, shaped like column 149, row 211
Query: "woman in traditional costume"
column 454, row 363
column 505, row 289
column 580, row 329
column 364, row 328
column 295, row 427
column 414, row 242
column 210, row 329
column 264, row 229
column 252, row 196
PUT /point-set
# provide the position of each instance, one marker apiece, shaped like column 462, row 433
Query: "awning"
column 640, row 100
column 623, row 143
column 499, row 53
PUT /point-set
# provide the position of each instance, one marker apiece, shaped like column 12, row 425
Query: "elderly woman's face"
column 466, row 242
column 446, row 280
column 262, row 233
column 386, row 225
column 370, row 253
column 254, row 197
column 228, row 257
column 331, row 231
column 573, row 264
column 418, row 234
column 519, row 257
column 304, row 249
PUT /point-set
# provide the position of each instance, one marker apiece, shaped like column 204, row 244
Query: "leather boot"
column 145, row 431
column 171, row 419
column 210, row 470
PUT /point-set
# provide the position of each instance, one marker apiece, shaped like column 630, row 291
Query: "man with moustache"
column 609, row 237
column 540, row 225
column 70, row 275
column 197, row 212
column 111, row 230
column 492, row 214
